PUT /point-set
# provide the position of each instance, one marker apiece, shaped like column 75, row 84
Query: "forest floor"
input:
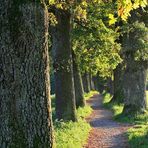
column 105, row 133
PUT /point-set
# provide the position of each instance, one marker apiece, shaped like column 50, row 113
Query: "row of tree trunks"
column 86, row 82
column 25, row 110
column 92, row 82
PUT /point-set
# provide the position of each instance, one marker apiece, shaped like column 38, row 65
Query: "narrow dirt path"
column 105, row 132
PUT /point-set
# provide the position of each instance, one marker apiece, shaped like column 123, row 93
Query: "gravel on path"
column 105, row 133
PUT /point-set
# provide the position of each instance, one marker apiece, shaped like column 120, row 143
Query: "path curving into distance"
column 105, row 133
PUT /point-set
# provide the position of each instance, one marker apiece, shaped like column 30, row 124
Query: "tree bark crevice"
column 25, row 110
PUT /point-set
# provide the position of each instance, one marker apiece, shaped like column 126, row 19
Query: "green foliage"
column 98, row 51
column 76, row 8
column 138, row 134
column 136, row 40
column 94, row 41
column 142, row 41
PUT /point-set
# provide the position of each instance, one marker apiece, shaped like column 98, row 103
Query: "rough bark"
column 134, row 87
column 136, row 69
column 118, row 85
column 86, row 82
column 25, row 111
column 79, row 91
column 62, row 63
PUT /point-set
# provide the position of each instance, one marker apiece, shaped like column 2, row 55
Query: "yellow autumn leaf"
column 143, row 3
column 59, row 6
column 112, row 19
column 84, row 3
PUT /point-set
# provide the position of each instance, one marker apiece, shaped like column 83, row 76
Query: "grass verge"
column 138, row 134
column 72, row 134
column 90, row 94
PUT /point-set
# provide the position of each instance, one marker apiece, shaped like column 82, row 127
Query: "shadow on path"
column 105, row 132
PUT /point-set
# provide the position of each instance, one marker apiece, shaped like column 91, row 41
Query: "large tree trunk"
column 134, row 87
column 118, row 85
column 25, row 111
column 62, row 58
column 86, row 82
column 136, row 65
column 79, row 91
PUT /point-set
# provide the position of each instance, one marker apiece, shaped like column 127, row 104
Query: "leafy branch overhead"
column 79, row 7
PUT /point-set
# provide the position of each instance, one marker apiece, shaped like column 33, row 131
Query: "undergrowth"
column 72, row 134
column 138, row 134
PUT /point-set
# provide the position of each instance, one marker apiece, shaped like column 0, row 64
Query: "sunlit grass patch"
column 106, row 98
column 90, row 94
column 84, row 112
column 138, row 136
column 73, row 134
column 116, row 108
column 70, row 134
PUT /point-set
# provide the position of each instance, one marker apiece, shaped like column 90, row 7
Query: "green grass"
column 90, row 94
column 72, row 134
column 138, row 134
column 116, row 108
